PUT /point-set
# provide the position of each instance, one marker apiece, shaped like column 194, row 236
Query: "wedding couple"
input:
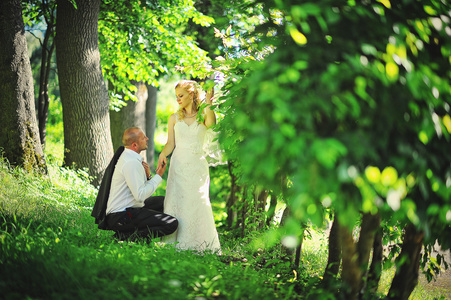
column 184, row 216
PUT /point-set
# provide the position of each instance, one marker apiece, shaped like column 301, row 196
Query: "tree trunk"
column 84, row 94
column 370, row 224
column 271, row 210
column 351, row 273
column 408, row 264
column 43, row 100
column 132, row 115
column 231, row 201
column 19, row 136
column 374, row 274
column 334, row 256
column 297, row 256
column 260, row 198
column 243, row 212
column 285, row 250
column 151, row 122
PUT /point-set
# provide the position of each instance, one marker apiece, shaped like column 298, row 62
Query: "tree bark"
column 334, row 256
column 351, row 272
column 43, row 98
column 132, row 115
column 151, row 122
column 19, row 136
column 232, row 199
column 374, row 274
column 243, row 212
column 370, row 223
column 260, row 198
column 297, row 256
column 84, row 94
column 285, row 250
column 271, row 210
column 408, row 264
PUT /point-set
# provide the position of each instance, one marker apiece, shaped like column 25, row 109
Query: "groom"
column 124, row 203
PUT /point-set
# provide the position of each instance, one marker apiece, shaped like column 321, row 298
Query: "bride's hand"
column 209, row 96
column 161, row 169
column 162, row 160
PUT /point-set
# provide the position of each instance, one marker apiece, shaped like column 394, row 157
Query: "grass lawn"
column 51, row 249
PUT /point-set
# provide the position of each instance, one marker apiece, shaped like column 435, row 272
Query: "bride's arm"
column 170, row 144
column 210, row 117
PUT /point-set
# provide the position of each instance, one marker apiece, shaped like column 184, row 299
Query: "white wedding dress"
column 187, row 193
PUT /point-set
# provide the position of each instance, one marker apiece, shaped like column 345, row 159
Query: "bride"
column 187, row 192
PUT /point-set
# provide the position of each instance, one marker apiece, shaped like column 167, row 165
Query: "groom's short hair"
column 130, row 136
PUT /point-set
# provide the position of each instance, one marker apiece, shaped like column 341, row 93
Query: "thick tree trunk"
column 132, row 115
column 408, row 264
column 19, row 136
column 151, row 122
column 351, row 272
column 370, row 224
column 84, row 95
column 334, row 256
column 374, row 274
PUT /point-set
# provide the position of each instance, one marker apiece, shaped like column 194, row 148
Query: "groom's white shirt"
column 129, row 184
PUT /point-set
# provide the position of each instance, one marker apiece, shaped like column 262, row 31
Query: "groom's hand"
column 146, row 168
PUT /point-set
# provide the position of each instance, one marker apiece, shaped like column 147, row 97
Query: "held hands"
column 160, row 169
column 162, row 163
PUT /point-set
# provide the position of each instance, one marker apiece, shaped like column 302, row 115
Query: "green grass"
column 51, row 249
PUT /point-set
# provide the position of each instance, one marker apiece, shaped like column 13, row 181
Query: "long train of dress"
column 187, row 193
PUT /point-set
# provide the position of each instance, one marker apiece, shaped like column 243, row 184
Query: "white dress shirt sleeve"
column 135, row 177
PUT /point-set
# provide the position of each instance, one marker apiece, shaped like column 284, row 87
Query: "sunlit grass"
column 314, row 252
column 419, row 293
column 51, row 249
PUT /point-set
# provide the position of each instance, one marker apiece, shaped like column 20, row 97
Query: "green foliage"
column 349, row 86
column 219, row 191
column 144, row 40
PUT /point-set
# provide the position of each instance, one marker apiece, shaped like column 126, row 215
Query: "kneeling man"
column 127, row 187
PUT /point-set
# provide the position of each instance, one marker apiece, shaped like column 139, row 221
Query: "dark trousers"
column 146, row 221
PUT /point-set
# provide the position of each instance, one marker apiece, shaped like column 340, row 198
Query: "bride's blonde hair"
column 191, row 87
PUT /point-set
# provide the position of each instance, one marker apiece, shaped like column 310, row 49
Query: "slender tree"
column 84, row 94
column 48, row 47
column 40, row 14
column 19, row 136
column 151, row 122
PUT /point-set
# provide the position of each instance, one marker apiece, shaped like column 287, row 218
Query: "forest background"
column 333, row 115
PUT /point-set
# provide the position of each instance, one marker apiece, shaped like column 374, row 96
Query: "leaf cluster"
column 144, row 40
column 348, row 87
